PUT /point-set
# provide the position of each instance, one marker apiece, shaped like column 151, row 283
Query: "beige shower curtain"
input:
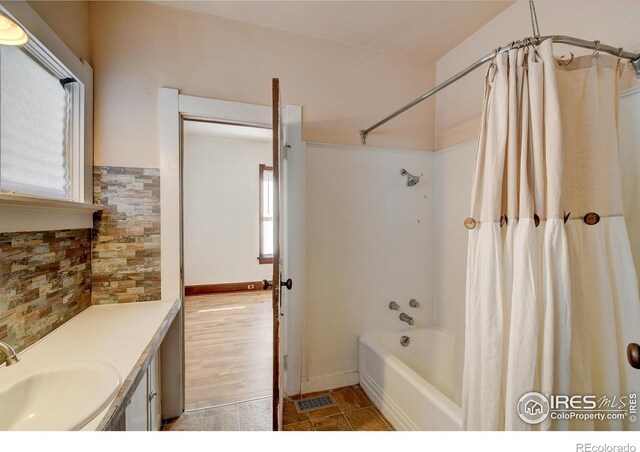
column 552, row 295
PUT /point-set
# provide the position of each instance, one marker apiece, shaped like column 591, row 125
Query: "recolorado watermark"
column 533, row 408
column 589, row 447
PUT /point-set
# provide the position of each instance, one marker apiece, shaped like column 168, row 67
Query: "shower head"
column 411, row 179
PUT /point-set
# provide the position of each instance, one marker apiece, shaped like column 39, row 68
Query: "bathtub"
column 412, row 386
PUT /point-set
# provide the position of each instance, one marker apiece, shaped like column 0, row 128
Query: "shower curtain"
column 552, row 294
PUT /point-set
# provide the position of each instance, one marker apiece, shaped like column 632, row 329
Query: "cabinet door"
column 136, row 414
column 155, row 408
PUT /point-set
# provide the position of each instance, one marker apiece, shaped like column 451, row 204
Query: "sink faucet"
column 10, row 355
column 405, row 318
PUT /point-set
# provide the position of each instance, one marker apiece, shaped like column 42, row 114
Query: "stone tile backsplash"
column 45, row 280
column 126, row 235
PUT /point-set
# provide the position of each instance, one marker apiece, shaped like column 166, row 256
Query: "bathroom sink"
column 62, row 396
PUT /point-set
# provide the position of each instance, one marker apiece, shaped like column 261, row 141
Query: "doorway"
column 227, row 200
column 174, row 108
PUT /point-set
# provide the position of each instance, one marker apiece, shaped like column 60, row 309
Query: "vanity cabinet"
column 127, row 340
column 144, row 410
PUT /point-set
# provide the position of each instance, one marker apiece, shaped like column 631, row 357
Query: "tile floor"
column 254, row 415
column 354, row 412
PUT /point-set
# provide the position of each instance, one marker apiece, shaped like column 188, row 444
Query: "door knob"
column 266, row 284
column 633, row 355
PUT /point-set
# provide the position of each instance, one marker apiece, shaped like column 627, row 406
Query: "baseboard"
column 329, row 382
column 222, row 288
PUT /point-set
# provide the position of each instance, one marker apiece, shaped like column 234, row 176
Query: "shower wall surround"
column 45, row 280
column 126, row 235
column 369, row 241
column 453, row 174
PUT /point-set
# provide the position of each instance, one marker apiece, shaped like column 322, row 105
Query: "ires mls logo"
column 576, row 402
column 533, row 407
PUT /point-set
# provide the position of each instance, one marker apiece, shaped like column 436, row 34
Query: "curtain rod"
column 594, row 45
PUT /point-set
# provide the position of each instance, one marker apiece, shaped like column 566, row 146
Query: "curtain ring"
column 619, row 54
column 562, row 62
column 492, row 65
column 596, row 52
column 534, row 43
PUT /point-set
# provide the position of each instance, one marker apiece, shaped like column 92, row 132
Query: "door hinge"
column 285, row 150
column 286, row 361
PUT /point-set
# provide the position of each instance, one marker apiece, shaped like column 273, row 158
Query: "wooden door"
column 278, row 283
column 276, row 292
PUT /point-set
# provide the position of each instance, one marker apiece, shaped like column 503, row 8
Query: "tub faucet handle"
column 414, row 303
column 394, row 306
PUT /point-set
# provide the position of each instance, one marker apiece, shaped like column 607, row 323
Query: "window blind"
column 34, row 113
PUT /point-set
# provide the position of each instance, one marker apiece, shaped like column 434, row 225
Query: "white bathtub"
column 412, row 386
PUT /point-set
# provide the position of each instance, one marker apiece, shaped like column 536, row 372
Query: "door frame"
column 173, row 108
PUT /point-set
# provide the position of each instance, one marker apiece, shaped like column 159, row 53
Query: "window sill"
column 265, row 260
column 21, row 213
column 34, row 202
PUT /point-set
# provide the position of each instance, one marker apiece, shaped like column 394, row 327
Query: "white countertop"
column 116, row 334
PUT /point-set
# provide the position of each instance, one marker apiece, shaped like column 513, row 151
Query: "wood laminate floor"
column 228, row 348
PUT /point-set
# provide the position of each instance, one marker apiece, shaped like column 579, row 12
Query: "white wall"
column 458, row 107
column 59, row 15
column 138, row 47
column 221, row 235
column 368, row 242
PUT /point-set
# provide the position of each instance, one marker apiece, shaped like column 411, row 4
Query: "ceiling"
column 417, row 29
column 217, row 130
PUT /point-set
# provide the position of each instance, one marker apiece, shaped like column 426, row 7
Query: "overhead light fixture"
column 11, row 34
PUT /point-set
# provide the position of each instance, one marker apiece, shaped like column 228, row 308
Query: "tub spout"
column 406, row 318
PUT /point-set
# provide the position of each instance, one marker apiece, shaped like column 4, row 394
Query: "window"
column 40, row 136
column 266, row 214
